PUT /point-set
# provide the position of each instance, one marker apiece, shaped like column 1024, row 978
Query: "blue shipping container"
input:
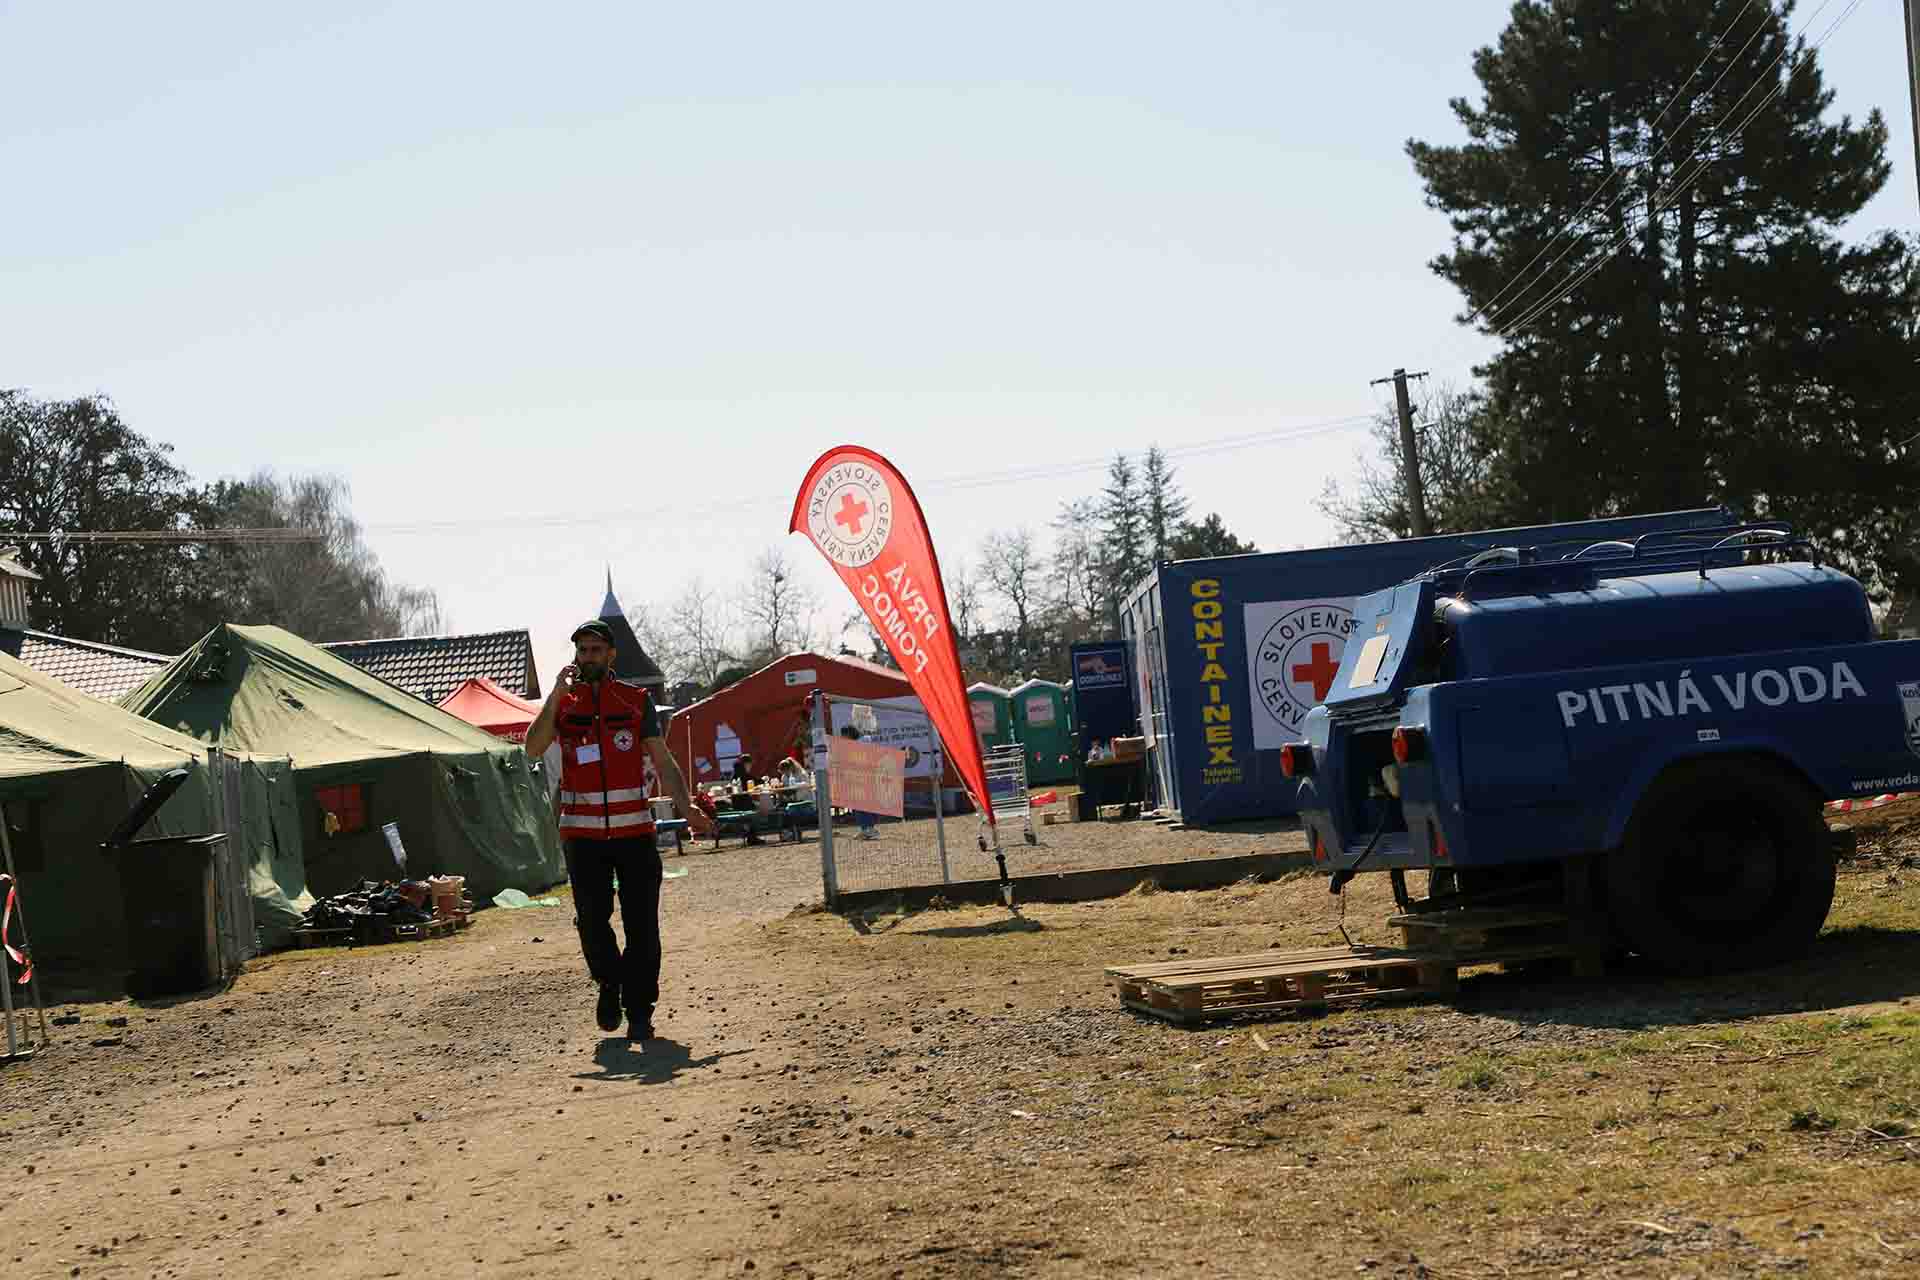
column 1231, row 653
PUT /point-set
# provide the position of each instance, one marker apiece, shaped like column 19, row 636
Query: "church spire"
column 610, row 607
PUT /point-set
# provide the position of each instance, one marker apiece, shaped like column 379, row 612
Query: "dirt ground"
column 957, row 1093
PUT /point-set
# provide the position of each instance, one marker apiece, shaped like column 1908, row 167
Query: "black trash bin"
column 168, row 892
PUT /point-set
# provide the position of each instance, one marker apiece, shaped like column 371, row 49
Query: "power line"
column 1615, row 171
column 980, row 480
column 1679, row 185
column 176, row 537
column 1692, row 151
column 552, row 520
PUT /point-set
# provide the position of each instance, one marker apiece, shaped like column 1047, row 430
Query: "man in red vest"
column 607, row 732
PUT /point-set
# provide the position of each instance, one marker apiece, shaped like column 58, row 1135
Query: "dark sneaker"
column 640, row 1027
column 607, row 1012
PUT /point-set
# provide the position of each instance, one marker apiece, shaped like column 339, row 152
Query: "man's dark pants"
column 592, row 866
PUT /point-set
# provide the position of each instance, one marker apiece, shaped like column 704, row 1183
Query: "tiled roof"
column 98, row 670
column 630, row 662
column 431, row 667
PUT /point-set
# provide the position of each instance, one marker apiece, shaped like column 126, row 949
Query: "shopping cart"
column 1007, row 790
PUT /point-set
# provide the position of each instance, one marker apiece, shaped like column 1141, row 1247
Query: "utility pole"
column 1410, row 449
column 1913, row 78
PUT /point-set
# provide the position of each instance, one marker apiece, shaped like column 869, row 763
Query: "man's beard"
column 590, row 671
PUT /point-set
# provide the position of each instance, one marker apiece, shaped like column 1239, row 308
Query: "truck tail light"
column 1296, row 760
column 1408, row 744
column 1436, row 841
column 1319, row 848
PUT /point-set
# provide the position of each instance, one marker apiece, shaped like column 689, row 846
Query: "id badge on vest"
column 587, row 753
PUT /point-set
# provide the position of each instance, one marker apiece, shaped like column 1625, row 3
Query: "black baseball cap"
column 594, row 628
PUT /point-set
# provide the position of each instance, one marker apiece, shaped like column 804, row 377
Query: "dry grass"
column 1637, row 1126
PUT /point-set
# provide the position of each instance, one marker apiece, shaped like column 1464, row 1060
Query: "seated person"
column 742, row 779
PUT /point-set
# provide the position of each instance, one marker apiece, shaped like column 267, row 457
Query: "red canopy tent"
column 482, row 702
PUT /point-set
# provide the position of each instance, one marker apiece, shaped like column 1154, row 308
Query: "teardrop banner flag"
column 860, row 512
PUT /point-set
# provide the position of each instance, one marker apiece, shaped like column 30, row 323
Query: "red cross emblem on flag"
column 852, row 515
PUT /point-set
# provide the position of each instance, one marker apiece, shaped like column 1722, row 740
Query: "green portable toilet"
column 1043, row 722
column 992, row 714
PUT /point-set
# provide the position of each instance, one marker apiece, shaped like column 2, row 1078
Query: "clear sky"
column 565, row 285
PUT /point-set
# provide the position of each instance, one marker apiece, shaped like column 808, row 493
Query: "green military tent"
column 365, row 755
column 71, row 767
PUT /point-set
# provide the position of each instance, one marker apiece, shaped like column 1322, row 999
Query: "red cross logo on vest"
column 604, row 786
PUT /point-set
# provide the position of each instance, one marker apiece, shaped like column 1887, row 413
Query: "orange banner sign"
column 867, row 777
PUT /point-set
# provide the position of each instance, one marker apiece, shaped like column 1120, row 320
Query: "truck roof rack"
column 1550, row 567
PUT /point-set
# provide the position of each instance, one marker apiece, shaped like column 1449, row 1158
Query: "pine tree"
column 1122, row 524
column 1166, row 506
column 1206, row 539
column 1727, row 347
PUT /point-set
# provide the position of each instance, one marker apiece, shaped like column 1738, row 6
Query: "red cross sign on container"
column 1293, row 655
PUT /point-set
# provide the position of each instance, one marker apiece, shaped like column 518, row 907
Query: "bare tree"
column 651, row 627
column 963, row 599
column 779, row 610
column 415, row 611
column 332, row 589
column 1453, row 463
column 1013, row 568
column 1076, row 582
column 698, row 625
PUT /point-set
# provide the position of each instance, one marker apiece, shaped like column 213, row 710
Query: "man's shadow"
column 657, row 1063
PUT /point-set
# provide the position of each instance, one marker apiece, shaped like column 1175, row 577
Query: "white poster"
column 726, row 749
column 392, row 833
column 1293, row 653
column 896, row 722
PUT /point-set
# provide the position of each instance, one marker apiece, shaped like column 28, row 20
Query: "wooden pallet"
column 426, row 929
column 1193, row 991
column 390, row 933
column 304, row 938
column 1438, row 945
column 1497, row 936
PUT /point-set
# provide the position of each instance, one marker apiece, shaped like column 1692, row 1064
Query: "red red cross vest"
column 603, row 771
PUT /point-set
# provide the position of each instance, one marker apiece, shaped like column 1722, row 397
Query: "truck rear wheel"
column 1725, row 866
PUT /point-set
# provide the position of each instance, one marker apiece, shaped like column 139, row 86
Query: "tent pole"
column 26, row 939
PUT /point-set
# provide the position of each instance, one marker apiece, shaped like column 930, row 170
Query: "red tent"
column 765, row 714
column 482, row 702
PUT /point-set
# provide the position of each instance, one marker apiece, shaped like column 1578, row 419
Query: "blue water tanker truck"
column 1647, row 729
